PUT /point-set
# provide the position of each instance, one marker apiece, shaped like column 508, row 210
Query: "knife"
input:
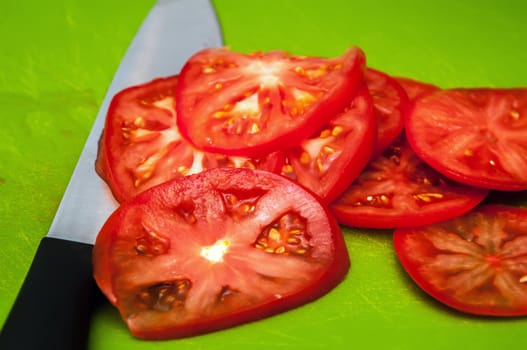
column 53, row 307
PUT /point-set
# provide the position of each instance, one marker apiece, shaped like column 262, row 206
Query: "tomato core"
column 494, row 260
column 214, row 253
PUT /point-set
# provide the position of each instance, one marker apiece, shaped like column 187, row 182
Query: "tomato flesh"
column 216, row 249
column 390, row 102
column 476, row 263
column 397, row 189
column 328, row 161
column 141, row 145
column 474, row 136
column 254, row 104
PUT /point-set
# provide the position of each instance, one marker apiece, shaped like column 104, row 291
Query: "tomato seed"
column 293, row 241
column 305, row 158
column 220, row 114
column 514, row 114
column 274, row 234
column 280, row 250
column 147, row 167
column 288, row 169
column 139, row 122
column 141, row 249
column 164, row 296
column 183, row 170
column 144, row 296
column 158, row 249
column 240, row 207
column 317, row 72
column 328, row 149
column 337, row 130
column 247, row 208
column 226, row 292
column 169, row 299
column 379, row 200
column 300, row 70
column 254, row 129
column 151, row 243
column 320, row 166
column 427, row 197
column 325, row 133
column 262, row 240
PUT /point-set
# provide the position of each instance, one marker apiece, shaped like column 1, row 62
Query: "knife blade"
column 58, row 294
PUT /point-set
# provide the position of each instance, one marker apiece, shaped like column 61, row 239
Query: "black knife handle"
column 54, row 306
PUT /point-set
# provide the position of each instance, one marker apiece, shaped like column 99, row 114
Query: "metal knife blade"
column 56, row 299
column 173, row 31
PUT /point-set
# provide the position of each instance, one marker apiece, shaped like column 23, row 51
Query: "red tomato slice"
column 476, row 263
column 474, row 136
column 390, row 102
column 397, row 189
column 415, row 88
column 254, row 104
column 328, row 161
column 141, row 145
column 216, row 249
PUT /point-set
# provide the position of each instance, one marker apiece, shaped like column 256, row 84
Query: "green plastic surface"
column 58, row 57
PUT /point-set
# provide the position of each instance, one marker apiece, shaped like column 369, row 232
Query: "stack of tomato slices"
column 283, row 145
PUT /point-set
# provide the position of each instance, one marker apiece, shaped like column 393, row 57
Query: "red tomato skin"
column 412, row 249
column 281, row 131
column 356, row 142
column 119, row 155
column 479, row 114
column 414, row 88
column 390, row 102
column 416, row 195
column 106, row 273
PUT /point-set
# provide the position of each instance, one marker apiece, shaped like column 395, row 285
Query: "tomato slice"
column 390, row 102
column 476, row 263
column 141, row 145
column 216, row 249
column 415, row 88
column 254, row 104
column 328, row 161
column 474, row 136
column 397, row 189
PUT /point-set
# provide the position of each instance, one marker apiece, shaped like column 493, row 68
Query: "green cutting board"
column 58, row 57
